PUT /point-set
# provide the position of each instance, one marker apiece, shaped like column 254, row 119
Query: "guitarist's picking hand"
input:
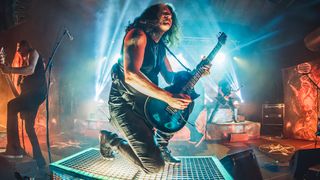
column 179, row 101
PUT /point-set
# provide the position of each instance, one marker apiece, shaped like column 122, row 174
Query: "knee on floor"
column 155, row 168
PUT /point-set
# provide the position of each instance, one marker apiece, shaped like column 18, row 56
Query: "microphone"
column 68, row 33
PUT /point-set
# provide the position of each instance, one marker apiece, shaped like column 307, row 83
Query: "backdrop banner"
column 301, row 99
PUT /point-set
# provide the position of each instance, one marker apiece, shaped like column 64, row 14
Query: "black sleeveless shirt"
column 35, row 81
column 153, row 60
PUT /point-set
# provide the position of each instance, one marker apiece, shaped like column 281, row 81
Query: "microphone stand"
column 49, row 67
column 318, row 125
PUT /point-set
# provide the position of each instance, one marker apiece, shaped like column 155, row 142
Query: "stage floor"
column 273, row 153
column 89, row 164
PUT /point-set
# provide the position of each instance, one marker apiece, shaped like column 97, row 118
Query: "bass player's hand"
column 179, row 101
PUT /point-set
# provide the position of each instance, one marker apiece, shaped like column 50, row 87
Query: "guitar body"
column 169, row 120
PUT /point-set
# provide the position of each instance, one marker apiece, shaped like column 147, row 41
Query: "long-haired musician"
column 136, row 74
column 33, row 87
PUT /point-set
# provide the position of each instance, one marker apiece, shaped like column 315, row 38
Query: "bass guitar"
column 167, row 119
column 7, row 76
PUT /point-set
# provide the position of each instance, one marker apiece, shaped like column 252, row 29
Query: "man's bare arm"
column 134, row 46
column 25, row 70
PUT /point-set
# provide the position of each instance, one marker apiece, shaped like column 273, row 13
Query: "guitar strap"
column 175, row 57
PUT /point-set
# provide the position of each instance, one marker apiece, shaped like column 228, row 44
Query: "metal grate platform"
column 88, row 164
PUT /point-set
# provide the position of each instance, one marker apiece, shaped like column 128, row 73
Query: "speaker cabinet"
column 272, row 119
column 302, row 160
column 242, row 165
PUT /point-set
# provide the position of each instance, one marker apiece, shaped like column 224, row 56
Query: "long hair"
column 25, row 43
column 149, row 20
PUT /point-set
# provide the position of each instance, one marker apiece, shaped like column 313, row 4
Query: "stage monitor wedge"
column 242, row 165
column 302, row 160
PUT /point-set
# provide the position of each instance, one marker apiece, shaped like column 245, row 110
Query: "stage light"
column 236, row 104
column 109, row 24
column 115, row 58
column 54, row 121
column 99, row 100
column 220, row 57
column 288, row 125
column 102, row 78
column 207, row 98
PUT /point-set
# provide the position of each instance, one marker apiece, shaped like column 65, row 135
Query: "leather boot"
column 106, row 150
column 168, row 157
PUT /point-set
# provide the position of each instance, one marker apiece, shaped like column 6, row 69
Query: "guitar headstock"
column 222, row 38
column 2, row 56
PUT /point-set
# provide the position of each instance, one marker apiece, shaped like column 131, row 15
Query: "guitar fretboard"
column 200, row 71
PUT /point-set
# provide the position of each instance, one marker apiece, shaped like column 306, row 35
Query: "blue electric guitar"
column 167, row 119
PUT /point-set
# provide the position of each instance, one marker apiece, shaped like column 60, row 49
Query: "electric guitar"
column 223, row 99
column 7, row 76
column 167, row 119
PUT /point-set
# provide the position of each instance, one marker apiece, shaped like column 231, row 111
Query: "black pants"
column 142, row 143
column 27, row 104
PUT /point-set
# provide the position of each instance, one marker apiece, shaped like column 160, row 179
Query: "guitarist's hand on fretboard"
column 205, row 65
column 206, row 69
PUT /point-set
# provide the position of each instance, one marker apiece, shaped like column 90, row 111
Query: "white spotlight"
column 116, row 57
column 220, row 57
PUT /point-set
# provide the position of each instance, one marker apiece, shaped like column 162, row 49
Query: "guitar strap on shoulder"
column 175, row 56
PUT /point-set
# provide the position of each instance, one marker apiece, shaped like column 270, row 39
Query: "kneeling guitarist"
column 136, row 76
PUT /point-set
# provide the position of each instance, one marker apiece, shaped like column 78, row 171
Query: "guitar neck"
column 199, row 71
